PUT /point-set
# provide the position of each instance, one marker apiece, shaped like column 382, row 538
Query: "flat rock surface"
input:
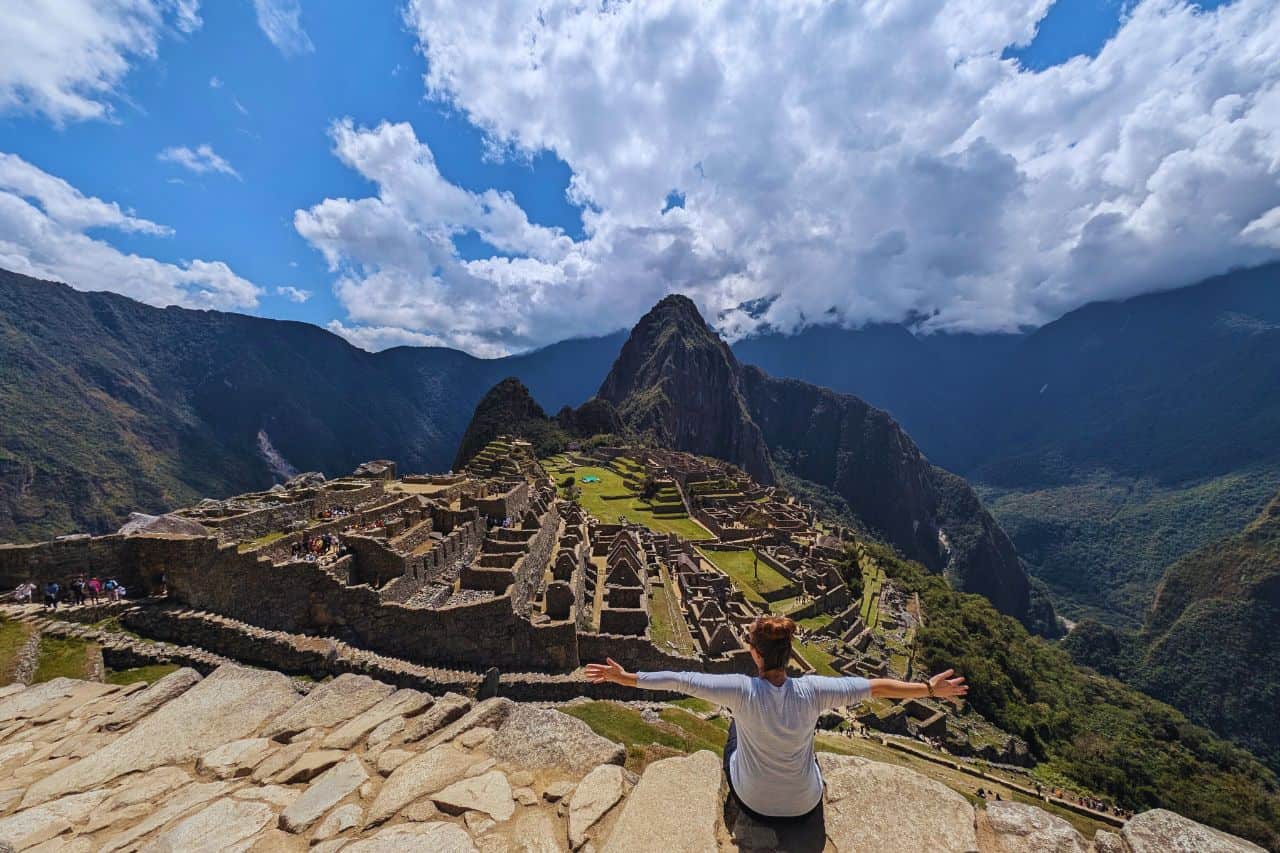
column 1021, row 828
column 144, row 702
column 489, row 793
column 438, row 837
column 541, row 737
column 329, row 704
column 400, row 703
column 328, row 789
column 214, row 828
column 233, row 702
column 1161, row 831
column 675, row 808
column 425, row 774
column 912, row 812
column 445, row 710
column 494, row 777
column 598, row 792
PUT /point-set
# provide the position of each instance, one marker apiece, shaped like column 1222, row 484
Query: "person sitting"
column 769, row 757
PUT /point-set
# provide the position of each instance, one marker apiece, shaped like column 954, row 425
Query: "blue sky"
column 269, row 119
column 889, row 169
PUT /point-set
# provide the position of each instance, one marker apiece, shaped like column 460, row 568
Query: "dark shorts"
column 730, row 747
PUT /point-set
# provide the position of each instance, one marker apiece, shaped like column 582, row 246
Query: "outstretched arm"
column 720, row 689
column 941, row 686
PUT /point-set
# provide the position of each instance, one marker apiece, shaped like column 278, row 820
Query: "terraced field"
column 616, row 494
column 751, row 577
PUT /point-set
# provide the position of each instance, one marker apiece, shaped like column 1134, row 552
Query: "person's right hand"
column 610, row 670
column 944, row 686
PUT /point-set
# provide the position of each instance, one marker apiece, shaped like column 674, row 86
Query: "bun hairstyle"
column 771, row 637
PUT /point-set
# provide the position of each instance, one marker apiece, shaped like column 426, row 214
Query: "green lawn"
column 264, row 539
column 816, row 658
column 13, row 636
column 666, row 622
column 149, row 674
column 61, row 657
column 678, row 732
column 740, row 566
column 815, row 623
column 612, row 497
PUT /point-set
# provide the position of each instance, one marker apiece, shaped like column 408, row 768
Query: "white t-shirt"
column 774, row 770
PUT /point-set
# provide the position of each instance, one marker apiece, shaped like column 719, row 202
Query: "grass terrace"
column 817, row 657
column 13, row 636
column 618, row 494
column 149, row 674
column 666, row 620
column 61, row 658
column 741, row 567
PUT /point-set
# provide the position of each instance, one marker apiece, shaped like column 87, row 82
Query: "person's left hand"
column 945, row 687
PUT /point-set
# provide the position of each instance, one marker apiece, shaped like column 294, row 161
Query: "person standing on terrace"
column 769, row 757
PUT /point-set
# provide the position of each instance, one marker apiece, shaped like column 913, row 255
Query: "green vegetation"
column 1087, row 731
column 1103, row 543
column 816, row 657
column 61, row 658
column 1211, row 645
column 749, row 574
column 149, row 674
column 666, row 621
column 263, row 540
column 677, row 732
column 13, row 636
column 618, row 493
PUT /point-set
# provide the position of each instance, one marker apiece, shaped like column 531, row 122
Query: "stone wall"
column 375, row 562
column 260, row 522
column 135, row 561
column 302, row 597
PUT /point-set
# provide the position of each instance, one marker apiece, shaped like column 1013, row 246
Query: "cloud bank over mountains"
column 812, row 161
column 849, row 162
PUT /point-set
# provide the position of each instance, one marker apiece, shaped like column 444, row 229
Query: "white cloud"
column 200, row 159
column 293, row 294
column 67, row 59
column 378, row 338
column 864, row 162
column 43, row 224
column 215, row 82
column 280, row 21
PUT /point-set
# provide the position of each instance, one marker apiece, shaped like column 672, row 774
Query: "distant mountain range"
column 1108, row 444
column 111, row 405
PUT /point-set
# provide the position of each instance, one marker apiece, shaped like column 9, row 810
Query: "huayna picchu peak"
column 677, row 381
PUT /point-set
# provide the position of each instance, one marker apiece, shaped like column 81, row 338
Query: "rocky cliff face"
column 243, row 759
column 676, row 379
